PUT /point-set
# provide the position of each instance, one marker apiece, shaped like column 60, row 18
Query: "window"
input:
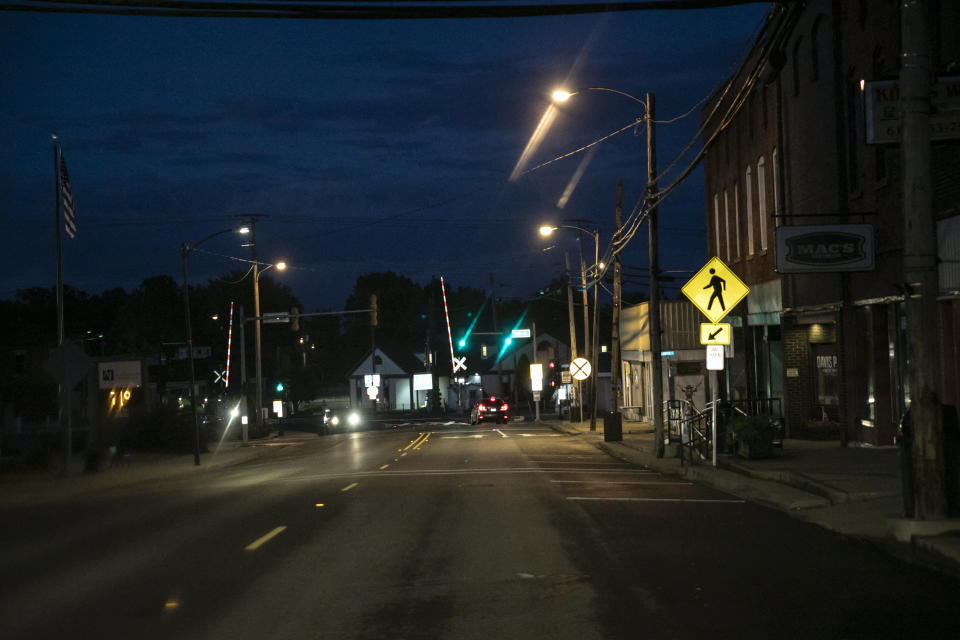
column 748, row 200
column 796, row 66
column 726, row 220
column 853, row 128
column 716, row 224
column 762, row 202
column 814, row 53
column 777, row 211
column 736, row 217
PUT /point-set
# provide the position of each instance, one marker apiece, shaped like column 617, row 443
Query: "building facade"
column 805, row 204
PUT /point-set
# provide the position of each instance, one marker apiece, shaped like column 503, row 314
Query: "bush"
column 753, row 436
column 754, row 429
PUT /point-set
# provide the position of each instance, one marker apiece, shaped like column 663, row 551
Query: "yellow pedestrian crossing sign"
column 715, row 290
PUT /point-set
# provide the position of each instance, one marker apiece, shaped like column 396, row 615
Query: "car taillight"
column 504, row 406
column 481, row 407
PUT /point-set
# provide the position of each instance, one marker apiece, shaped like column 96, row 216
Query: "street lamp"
column 256, row 311
column 546, row 230
column 649, row 104
column 185, row 251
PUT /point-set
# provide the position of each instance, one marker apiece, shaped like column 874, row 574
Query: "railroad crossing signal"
column 715, row 290
column 712, row 333
column 459, row 363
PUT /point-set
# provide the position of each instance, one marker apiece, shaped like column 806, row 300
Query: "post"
column 920, row 263
column 536, row 403
column 573, row 327
column 713, row 417
column 654, row 307
column 245, row 427
column 184, row 253
column 615, row 325
column 64, row 388
column 373, row 347
column 493, row 307
column 595, row 350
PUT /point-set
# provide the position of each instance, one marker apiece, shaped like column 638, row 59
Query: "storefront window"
column 827, row 367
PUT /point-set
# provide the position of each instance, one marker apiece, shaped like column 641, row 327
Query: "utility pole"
column 573, row 330
column 595, row 350
column 654, row 306
column 615, row 326
column 257, row 328
column 586, row 316
column 920, row 263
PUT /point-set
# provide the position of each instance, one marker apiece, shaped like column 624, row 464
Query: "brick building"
column 796, row 149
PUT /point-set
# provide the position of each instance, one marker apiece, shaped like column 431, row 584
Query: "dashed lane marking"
column 349, row 486
column 256, row 544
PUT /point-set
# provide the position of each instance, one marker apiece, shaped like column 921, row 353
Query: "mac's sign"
column 824, row 248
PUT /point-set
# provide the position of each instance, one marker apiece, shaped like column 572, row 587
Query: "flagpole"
column 63, row 387
column 56, row 206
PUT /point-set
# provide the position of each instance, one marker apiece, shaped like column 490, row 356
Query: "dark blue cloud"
column 374, row 146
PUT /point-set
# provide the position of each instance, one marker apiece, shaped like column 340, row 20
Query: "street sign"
column 373, row 392
column 715, row 357
column 536, row 384
column 713, row 333
column 459, row 363
column 715, row 290
column 580, row 369
column 520, row 333
column 565, row 377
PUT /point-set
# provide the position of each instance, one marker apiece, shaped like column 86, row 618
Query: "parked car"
column 492, row 409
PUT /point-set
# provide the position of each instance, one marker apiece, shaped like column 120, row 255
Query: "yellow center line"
column 417, row 448
column 256, row 544
column 384, row 467
column 349, row 486
column 414, row 442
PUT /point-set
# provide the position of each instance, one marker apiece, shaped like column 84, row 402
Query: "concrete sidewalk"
column 854, row 491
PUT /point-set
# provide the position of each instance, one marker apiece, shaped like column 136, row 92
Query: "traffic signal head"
column 279, row 387
column 373, row 310
column 507, row 342
column 462, row 343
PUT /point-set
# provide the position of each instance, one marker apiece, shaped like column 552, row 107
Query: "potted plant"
column 753, row 436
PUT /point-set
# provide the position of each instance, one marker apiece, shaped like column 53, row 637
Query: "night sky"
column 368, row 145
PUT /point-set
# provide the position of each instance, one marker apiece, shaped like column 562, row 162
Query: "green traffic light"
column 279, row 386
column 462, row 343
column 507, row 342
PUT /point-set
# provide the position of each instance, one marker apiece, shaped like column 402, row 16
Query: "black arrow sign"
column 714, row 335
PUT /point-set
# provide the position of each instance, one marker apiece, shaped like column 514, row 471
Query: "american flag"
column 69, row 221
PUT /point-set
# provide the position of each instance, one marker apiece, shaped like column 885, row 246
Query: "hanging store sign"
column 825, row 248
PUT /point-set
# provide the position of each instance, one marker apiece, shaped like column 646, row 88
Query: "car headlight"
column 335, row 420
column 353, row 419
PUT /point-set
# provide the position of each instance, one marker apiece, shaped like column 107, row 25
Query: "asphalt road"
column 446, row 531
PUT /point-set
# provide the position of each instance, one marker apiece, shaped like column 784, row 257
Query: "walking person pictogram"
column 719, row 285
